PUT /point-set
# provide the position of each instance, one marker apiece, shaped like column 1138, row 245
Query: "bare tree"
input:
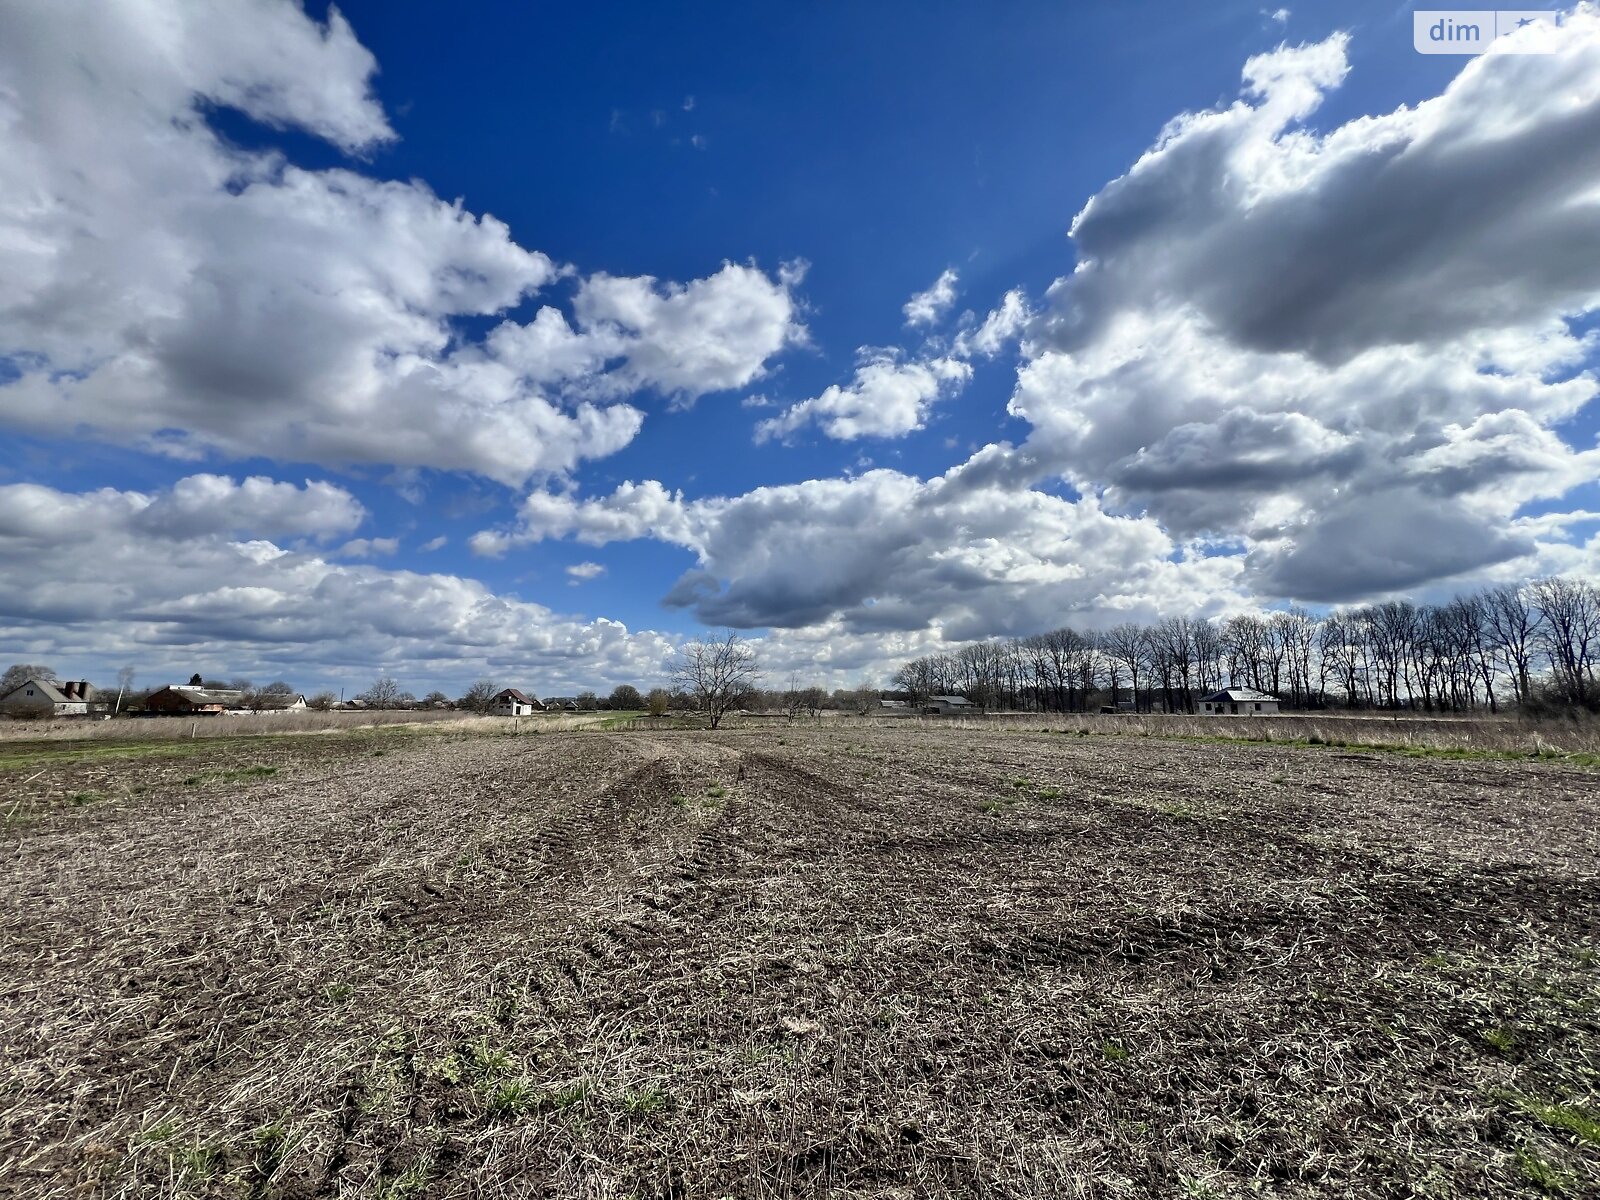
column 1513, row 632
column 124, row 688
column 1569, row 630
column 1128, row 645
column 718, row 672
column 258, row 698
column 863, row 698
column 384, row 693
column 918, row 679
column 322, row 701
column 479, row 696
column 19, row 674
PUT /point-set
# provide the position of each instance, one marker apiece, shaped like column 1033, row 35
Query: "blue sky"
column 275, row 291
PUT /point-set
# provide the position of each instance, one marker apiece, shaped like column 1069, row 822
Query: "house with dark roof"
column 51, row 698
column 561, row 703
column 948, row 706
column 186, row 701
column 1240, row 702
column 509, row 702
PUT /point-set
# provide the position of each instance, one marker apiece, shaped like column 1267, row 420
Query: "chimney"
column 83, row 689
column 69, row 690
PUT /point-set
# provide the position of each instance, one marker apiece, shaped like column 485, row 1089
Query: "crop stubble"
column 828, row 962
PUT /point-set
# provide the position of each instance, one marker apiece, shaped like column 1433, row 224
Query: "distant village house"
column 52, row 698
column 1240, row 702
column 512, row 703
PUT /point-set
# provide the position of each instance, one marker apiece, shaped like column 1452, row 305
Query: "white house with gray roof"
column 51, row 698
column 1240, row 702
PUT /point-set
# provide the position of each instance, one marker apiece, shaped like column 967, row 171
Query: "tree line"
column 1535, row 646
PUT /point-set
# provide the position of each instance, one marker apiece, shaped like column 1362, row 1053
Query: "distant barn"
column 1240, row 702
column 948, row 706
column 188, row 701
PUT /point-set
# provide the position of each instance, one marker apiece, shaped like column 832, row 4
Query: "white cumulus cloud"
column 886, row 398
column 161, row 287
column 926, row 308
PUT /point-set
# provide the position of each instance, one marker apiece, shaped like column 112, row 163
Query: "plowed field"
column 871, row 963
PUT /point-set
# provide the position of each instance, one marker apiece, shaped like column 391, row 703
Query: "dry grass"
column 1464, row 735
column 132, row 729
column 837, row 962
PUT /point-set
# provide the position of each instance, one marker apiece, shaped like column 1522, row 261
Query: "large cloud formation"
column 886, row 552
column 240, row 577
column 1290, row 363
column 1342, row 354
column 163, row 288
column 1296, row 337
column 191, row 579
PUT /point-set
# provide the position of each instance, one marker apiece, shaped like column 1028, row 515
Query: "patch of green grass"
column 231, row 775
column 86, row 797
column 716, row 791
column 641, row 1102
column 1502, row 1038
column 1196, row 1188
column 1049, row 793
column 270, row 1144
column 157, row 1134
column 488, row 1062
column 1114, row 1051
column 409, row 1183
column 200, row 1160
column 33, row 754
column 574, row 1095
column 1542, row 1174
column 337, row 993
column 1568, row 1118
column 512, row 1098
